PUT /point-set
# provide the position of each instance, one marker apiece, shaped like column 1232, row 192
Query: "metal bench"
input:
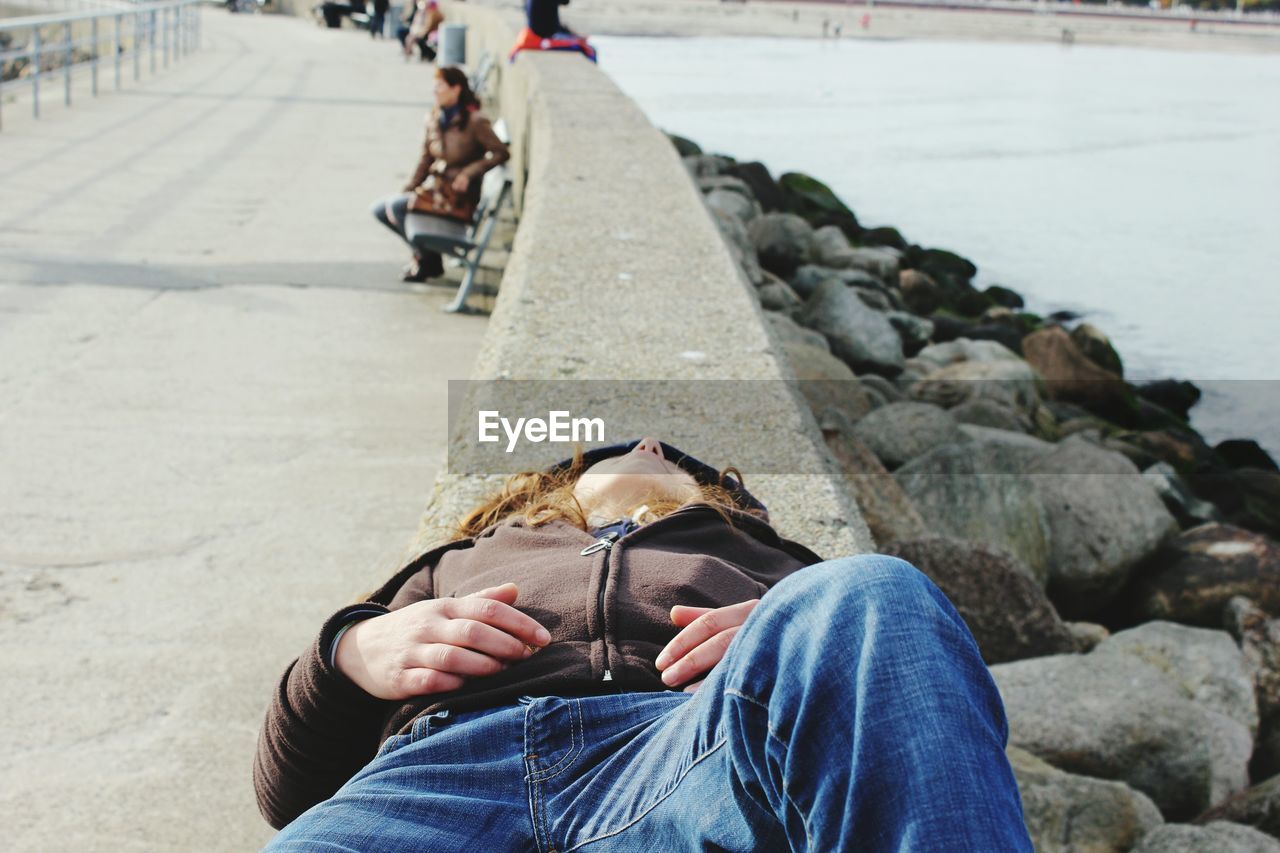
column 479, row 78
column 460, row 240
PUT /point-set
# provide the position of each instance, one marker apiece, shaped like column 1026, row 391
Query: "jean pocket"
column 391, row 744
column 425, row 725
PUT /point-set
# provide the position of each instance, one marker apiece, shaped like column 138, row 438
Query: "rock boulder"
column 1157, row 707
column 887, row 510
column 1198, row 571
column 1258, row 807
column 1066, row 813
column 919, row 292
column 899, row 432
column 979, row 492
column 862, row 337
column 1217, row 837
column 1103, row 519
column 782, row 242
column 1070, row 375
column 1004, row 607
column 1259, row 639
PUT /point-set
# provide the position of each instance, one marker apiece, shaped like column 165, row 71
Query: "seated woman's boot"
column 423, row 267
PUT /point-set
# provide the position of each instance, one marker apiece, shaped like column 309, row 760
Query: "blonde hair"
column 541, row 497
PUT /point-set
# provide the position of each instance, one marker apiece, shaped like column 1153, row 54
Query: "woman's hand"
column 703, row 642
column 435, row 646
column 461, row 183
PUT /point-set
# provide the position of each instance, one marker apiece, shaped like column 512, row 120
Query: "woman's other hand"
column 437, row 645
column 702, row 643
column 461, row 183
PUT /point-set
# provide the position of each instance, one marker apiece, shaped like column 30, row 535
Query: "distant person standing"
column 378, row 20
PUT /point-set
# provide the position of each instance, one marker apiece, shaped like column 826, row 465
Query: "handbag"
column 437, row 197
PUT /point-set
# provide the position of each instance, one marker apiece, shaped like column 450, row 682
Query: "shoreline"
column 898, row 20
column 1091, row 539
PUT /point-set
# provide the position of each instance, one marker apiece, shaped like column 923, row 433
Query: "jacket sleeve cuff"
column 351, row 618
column 321, row 675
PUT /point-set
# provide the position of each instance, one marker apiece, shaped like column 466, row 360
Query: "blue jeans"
column 851, row 712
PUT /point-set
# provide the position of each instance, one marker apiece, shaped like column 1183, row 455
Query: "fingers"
column 452, row 660
column 479, row 637
column 420, row 682
column 682, row 615
column 701, row 659
column 506, row 593
column 499, row 614
column 702, row 628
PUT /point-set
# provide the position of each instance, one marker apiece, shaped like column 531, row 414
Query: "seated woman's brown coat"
column 466, row 146
column 608, row 612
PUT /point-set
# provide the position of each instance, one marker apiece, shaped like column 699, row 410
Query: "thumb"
column 506, row 593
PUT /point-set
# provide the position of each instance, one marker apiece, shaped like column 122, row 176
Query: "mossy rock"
column 813, row 200
column 963, row 299
column 1003, row 296
column 1030, row 321
column 885, row 236
column 1177, row 396
column 1097, row 347
column 684, row 147
column 1245, row 453
column 756, row 176
column 942, row 264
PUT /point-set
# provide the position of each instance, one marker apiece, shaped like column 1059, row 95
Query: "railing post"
column 93, row 54
column 151, row 37
column 35, row 75
column 164, row 34
column 117, row 48
column 66, row 62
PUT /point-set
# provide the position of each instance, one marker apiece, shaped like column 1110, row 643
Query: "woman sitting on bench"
column 620, row 653
column 460, row 147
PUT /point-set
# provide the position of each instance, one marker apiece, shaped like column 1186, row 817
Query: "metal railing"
column 37, row 50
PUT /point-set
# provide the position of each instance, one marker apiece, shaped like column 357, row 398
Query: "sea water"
column 1137, row 187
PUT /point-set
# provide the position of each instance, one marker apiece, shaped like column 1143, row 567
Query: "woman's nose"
column 649, row 444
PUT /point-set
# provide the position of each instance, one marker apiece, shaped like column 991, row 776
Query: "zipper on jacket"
column 604, row 543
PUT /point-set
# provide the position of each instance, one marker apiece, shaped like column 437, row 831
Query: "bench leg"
column 459, row 303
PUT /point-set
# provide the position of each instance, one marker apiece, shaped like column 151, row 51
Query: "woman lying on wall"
column 460, row 147
column 620, row 653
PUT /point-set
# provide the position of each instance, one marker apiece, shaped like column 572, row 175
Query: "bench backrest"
column 480, row 76
column 493, row 190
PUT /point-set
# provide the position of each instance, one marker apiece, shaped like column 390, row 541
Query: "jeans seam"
column 576, row 741
column 786, row 795
column 537, row 816
column 716, row 746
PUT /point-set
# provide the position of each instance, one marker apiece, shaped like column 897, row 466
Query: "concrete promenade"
column 220, row 417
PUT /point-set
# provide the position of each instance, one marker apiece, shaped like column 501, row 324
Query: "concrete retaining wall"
column 619, row 273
